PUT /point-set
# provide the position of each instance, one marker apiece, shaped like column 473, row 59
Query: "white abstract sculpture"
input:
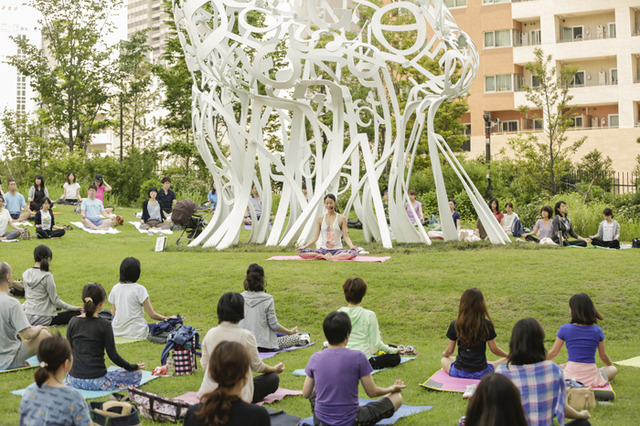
column 236, row 80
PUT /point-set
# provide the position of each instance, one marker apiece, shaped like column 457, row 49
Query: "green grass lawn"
column 415, row 295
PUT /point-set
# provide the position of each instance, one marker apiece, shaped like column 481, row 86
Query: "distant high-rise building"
column 600, row 38
column 16, row 20
column 143, row 14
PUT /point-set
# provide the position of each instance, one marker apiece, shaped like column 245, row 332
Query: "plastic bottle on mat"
column 171, row 370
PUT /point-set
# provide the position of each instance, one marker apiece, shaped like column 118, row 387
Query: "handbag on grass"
column 581, row 398
column 114, row 413
column 158, row 408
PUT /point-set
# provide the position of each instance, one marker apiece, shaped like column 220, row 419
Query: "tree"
column 177, row 82
column 544, row 162
column 73, row 70
column 134, row 82
column 25, row 143
column 596, row 169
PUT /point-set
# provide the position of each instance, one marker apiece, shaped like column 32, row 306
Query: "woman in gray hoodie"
column 42, row 299
column 260, row 314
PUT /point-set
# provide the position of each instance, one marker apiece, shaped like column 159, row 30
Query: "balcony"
column 573, row 28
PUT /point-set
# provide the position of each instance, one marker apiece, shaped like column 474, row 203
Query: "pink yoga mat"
column 356, row 259
column 192, row 397
column 441, row 381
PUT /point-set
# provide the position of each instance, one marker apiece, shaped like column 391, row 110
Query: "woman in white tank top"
column 331, row 229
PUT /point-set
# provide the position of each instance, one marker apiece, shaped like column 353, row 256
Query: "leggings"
column 264, row 385
column 614, row 244
column 49, row 233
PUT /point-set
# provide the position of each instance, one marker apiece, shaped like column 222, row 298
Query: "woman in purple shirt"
column 542, row 227
column 583, row 337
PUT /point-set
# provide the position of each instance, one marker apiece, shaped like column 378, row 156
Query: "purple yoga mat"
column 265, row 355
column 355, row 259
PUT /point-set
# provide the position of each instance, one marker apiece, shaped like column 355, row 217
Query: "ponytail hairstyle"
column 255, row 278
column 43, row 255
column 52, row 353
column 229, row 365
column 471, row 326
column 92, row 295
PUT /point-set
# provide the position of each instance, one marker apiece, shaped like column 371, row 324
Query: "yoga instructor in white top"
column 331, row 228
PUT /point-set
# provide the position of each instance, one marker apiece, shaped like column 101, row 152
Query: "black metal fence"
column 615, row 182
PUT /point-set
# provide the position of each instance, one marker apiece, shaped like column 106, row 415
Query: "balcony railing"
column 585, row 37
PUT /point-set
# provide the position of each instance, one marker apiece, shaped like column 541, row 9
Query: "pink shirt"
column 100, row 193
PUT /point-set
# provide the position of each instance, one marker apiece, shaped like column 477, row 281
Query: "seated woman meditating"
column 583, row 338
column 48, row 401
column 230, row 369
column 608, row 232
column 495, row 402
column 543, row 227
column 365, row 332
column 562, row 228
column 130, row 301
column 45, row 222
column 42, row 300
column 37, row 192
column 331, row 228
column 89, row 336
column 540, row 382
column 152, row 213
column 70, row 190
column 230, row 313
column 472, row 331
column 454, row 214
column 260, row 314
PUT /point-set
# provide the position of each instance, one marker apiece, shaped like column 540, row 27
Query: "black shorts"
column 369, row 414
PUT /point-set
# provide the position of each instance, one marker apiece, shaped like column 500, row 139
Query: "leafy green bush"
column 144, row 189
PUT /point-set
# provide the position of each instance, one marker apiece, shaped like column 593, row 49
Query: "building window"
column 455, row 3
column 578, row 80
column 613, row 120
column 502, row 83
column 577, row 121
column 572, row 33
column 612, row 29
column 534, row 81
column 538, row 124
column 509, row 126
column 490, row 83
column 495, row 1
column 613, row 72
column 502, row 38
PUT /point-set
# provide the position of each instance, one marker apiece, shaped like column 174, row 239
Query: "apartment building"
column 601, row 38
column 143, row 14
column 16, row 20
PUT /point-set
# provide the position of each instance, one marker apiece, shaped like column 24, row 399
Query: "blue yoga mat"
column 300, row 371
column 403, row 411
column 146, row 377
column 33, row 362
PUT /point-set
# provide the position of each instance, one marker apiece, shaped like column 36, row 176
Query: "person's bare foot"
column 25, row 364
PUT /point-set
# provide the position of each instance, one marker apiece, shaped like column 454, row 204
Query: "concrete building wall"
column 607, row 39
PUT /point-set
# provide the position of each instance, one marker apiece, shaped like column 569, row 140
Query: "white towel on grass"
column 95, row 231
column 23, row 223
column 154, row 230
